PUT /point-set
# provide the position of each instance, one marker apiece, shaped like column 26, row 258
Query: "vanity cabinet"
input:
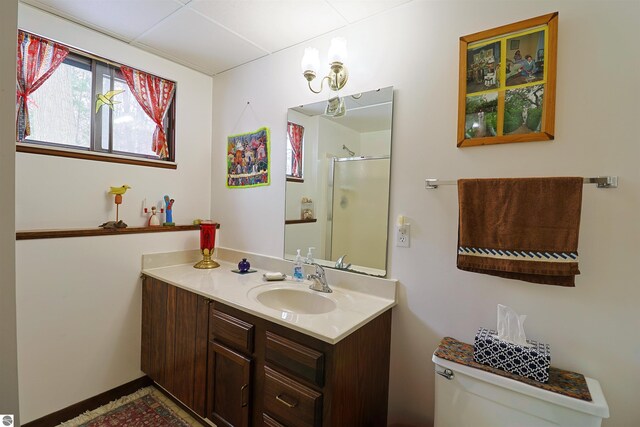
column 175, row 325
column 259, row 373
column 300, row 381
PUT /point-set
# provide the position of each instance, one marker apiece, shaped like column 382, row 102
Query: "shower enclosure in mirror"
column 341, row 208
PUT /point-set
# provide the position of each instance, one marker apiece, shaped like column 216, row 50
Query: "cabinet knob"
column 284, row 402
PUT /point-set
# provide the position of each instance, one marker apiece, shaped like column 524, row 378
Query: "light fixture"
column 338, row 74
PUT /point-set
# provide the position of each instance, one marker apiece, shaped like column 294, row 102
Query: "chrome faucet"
column 319, row 280
column 340, row 263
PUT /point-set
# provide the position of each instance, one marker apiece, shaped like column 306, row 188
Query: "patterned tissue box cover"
column 530, row 362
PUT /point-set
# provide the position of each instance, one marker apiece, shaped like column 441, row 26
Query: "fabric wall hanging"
column 248, row 159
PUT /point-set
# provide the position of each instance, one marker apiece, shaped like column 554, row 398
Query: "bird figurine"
column 107, row 99
column 118, row 192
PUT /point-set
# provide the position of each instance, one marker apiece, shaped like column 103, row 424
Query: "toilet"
column 469, row 397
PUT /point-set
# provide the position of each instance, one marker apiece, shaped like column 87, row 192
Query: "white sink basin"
column 298, row 301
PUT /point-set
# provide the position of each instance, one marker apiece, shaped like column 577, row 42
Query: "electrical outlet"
column 403, row 235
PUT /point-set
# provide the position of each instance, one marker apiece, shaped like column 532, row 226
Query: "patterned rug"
column 146, row 407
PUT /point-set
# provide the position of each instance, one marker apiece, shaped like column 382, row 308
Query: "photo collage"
column 505, row 83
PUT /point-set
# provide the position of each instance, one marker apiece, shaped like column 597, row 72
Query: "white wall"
column 375, row 143
column 8, row 349
column 592, row 328
column 78, row 299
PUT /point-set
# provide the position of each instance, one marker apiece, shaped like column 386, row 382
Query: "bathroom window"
column 295, row 138
column 77, row 102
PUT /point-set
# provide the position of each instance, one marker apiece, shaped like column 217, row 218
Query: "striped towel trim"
column 562, row 257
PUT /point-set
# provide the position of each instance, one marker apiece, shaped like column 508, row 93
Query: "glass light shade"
column 338, row 50
column 310, row 60
column 207, row 235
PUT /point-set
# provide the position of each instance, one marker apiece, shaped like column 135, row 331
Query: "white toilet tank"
column 475, row 398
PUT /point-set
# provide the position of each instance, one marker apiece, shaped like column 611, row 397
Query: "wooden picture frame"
column 507, row 85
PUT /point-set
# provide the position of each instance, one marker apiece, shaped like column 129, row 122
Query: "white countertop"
column 355, row 305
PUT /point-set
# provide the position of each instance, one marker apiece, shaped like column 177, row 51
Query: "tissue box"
column 530, row 362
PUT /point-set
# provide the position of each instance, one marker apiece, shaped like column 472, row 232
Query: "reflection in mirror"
column 341, row 208
column 295, row 136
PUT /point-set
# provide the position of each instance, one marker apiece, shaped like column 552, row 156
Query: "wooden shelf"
column 85, row 232
column 299, row 221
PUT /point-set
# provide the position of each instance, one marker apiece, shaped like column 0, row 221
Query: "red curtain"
column 154, row 96
column 37, row 59
column 296, row 133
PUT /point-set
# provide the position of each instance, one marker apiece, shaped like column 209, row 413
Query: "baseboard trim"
column 89, row 404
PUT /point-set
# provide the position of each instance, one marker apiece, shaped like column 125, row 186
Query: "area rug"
column 146, row 407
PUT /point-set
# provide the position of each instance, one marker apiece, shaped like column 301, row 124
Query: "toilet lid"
column 597, row 407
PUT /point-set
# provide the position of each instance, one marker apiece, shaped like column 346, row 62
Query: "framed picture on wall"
column 507, row 83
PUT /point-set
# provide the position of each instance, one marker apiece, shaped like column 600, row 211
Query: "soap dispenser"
column 298, row 275
column 309, row 259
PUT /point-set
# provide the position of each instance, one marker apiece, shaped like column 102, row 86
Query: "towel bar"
column 601, row 181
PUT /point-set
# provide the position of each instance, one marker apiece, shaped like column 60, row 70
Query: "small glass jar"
column 306, row 208
column 244, row 265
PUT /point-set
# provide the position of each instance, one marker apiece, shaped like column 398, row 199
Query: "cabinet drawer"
column 294, row 404
column 300, row 360
column 267, row 421
column 231, row 330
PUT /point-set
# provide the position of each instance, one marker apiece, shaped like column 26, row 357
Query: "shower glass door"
column 359, row 210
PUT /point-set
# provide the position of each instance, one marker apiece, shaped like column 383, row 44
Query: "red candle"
column 207, row 235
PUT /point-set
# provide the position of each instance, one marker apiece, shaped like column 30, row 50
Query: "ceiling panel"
column 214, row 35
column 355, row 10
column 125, row 19
column 273, row 24
column 187, row 36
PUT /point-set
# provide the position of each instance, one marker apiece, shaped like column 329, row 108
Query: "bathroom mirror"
column 339, row 204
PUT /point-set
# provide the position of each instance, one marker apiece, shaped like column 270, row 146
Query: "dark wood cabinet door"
column 190, row 335
column 229, row 387
column 174, row 341
column 154, row 330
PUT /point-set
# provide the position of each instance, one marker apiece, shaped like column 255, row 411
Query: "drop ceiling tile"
column 191, row 38
column 355, row 10
column 273, row 24
column 124, row 19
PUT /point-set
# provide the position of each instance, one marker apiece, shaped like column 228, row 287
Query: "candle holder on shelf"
column 207, row 244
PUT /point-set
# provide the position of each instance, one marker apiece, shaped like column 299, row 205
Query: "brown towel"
column 520, row 228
